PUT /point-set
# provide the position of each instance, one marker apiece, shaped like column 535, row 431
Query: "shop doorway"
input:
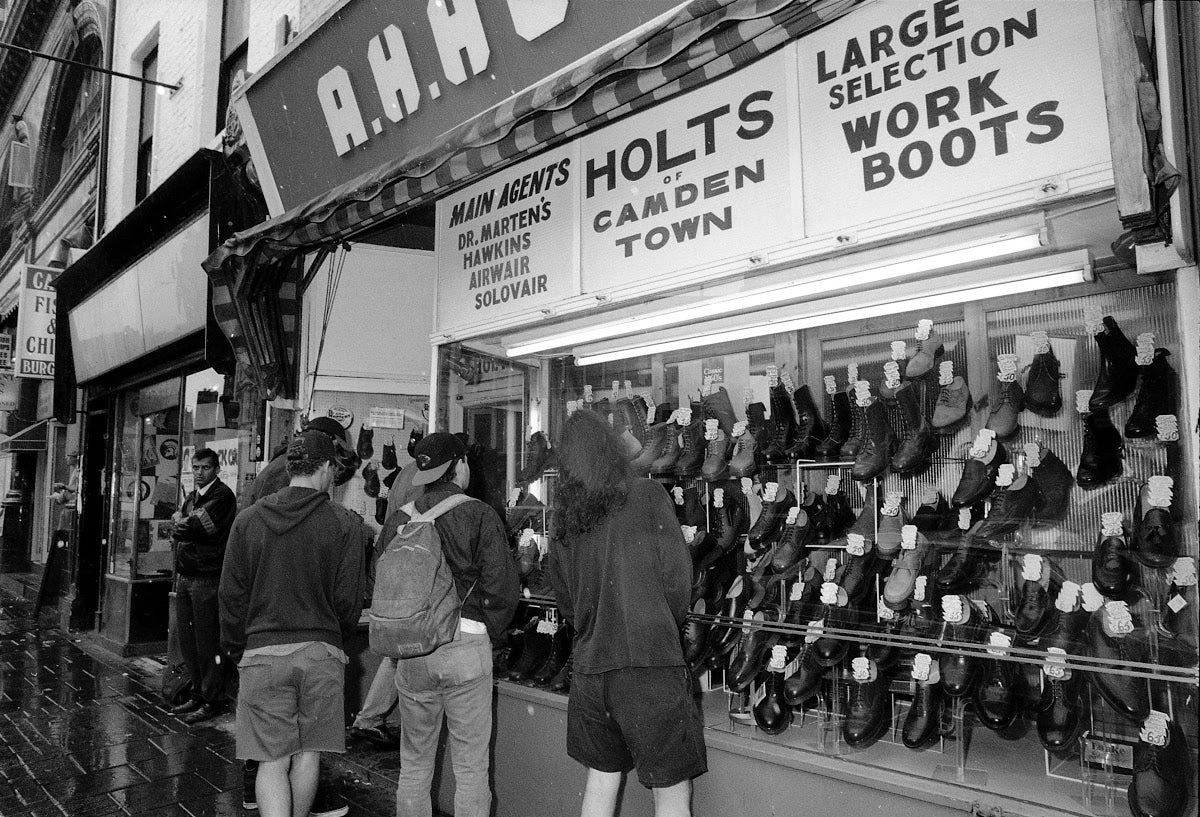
column 93, row 484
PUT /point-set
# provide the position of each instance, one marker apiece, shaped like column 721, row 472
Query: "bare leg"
column 673, row 801
column 305, row 771
column 273, row 789
column 600, row 794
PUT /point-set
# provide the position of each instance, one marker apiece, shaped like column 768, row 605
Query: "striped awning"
column 701, row 41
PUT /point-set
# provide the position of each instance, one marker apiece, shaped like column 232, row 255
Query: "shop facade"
column 901, row 223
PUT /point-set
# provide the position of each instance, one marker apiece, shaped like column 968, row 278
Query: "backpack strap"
column 447, row 504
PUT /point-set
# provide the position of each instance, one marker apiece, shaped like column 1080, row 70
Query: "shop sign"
column 509, row 244
column 377, row 80
column 10, row 392
column 6, row 361
column 911, row 105
column 35, row 323
column 703, row 177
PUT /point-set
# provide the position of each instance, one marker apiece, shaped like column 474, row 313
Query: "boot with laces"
column 925, row 713
column 867, row 711
column 783, row 420
column 858, row 424
column 840, row 424
column 1112, row 570
column 805, row 682
column 810, row 430
column 1118, row 366
column 972, row 556
column 754, row 644
column 692, row 445
column 657, row 441
column 1156, row 391
column 1018, row 503
column 744, row 460
column 921, row 441
column 879, row 443
column 794, row 541
column 716, row 453
column 1043, row 391
column 929, row 349
column 1007, row 399
column 995, row 693
column 1059, row 711
column 673, row 447
column 688, row 509
column 1108, row 638
column 1161, row 769
column 777, row 501
column 959, row 670
column 717, row 406
column 933, row 514
column 1054, row 483
column 1100, row 460
column 727, row 521
column 864, row 525
column 626, row 417
column 1154, row 542
column 893, row 372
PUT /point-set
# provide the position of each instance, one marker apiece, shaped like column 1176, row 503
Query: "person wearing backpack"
column 454, row 679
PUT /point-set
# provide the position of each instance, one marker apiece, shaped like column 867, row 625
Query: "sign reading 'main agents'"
column 35, row 324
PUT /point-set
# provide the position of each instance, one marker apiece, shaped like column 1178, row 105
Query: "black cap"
column 327, row 424
column 435, row 453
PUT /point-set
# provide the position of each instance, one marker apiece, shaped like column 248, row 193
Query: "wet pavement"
column 84, row 733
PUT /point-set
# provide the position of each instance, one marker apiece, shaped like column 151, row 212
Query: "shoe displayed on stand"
column 933, row 514
column 929, row 349
column 692, row 447
column 1059, row 710
column 840, row 423
column 836, row 613
column 892, row 518
column 697, row 643
column 925, row 712
column 1108, row 639
column 753, row 645
column 688, row 508
column 777, row 501
column 1054, row 481
column 834, row 514
column 716, row 453
column 794, row 541
column 1154, row 543
column 805, row 682
column 783, row 422
column 867, row 710
column 1156, row 389
column 892, row 626
column 628, row 417
column 879, row 440
column 1007, row 400
column 728, row 520
column 958, row 670
column 1161, row 769
column 953, row 400
column 1112, row 570
column 810, row 428
column 915, row 552
column 717, row 406
column 921, row 441
column 1043, row 390
column 535, row 647
column 980, row 470
column 744, row 461
column 658, row 439
column 864, row 524
column 1118, row 364
column 1100, row 460
column 971, row 558
column 1035, row 614
column 771, row 712
column 560, row 650
column 994, row 695
column 1020, row 502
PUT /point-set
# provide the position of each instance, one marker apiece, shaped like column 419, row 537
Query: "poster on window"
column 227, row 459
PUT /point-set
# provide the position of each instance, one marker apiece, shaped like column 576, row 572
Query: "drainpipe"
column 105, row 117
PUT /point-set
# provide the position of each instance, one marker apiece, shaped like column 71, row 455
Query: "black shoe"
column 1118, row 367
column 188, row 706
column 1054, row 480
column 978, row 478
column 325, row 806
column 771, row 713
column 772, row 518
column 1043, row 394
column 1020, row 503
column 995, row 701
column 1059, row 713
column 1156, row 395
column 1128, row 696
column 755, row 644
column 806, row 681
column 839, row 429
column 249, row 775
column 866, row 715
column 1154, row 542
column 1112, row 571
column 207, row 711
column 1160, row 776
column 924, row 716
column 562, row 681
column 878, row 444
column 378, row 736
column 968, row 565
column 1100, row 459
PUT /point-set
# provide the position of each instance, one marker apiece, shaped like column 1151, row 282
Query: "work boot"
column 560, row 650
column 980, row 470
column 744, row 462
column 1054, row 481
column 673, row 447
column 969, row 563
column 1112, row 571
column 1108, row 638
column 806, row 680
column 915, row 551
column 867, row 712
column 1156, row 394
column 1043, row 392
column 783, row 420
column 831, row 514
column 953, row 403
column 925, row 713
column 657, row 441
column 1007, row 398
column 716, row 458
column 1154, row 541
column 958, row 670
column 839, row 425
column 1118, row 367
column 810, row 431
column 1019, row 503
column 929, row 349
column 692, row 445
column 858, row 426
column 1035, row 615
column 893, row 516
column 626, row 417
column 688, row 508
column 777, row 502
column 995, row 694
column 771, row 712
column 717, row 406
column 1161, row 769
column 1100, row 460
column 920, row 441
column 879, row 443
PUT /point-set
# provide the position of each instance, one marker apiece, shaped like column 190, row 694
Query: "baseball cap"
column 328, row 425
column 435, row 453
column 312, row 443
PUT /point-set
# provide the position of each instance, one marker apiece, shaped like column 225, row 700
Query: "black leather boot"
column 995, row 698
column 968, row 565
column 810, row 431
column 1156, row 395
column 771, row 713
column 716, row 456
column 692, row 445
column 672, row 449
column 1159, row 787
column 560, row 650
column 1118, row 367
column 656, row 441
column 879, row 443
column 783, row 420
column 1019, row 503
column 1043, row 391
column 1100, row 460
column 697, row 643
column 959, row 670
column 1060, row 712
column 772, row 517
column 717, row 406
column 867, row 711
column 627, row 417
column 806, row 681
column 1054, row 480
column 562, row 681
column 839, row 429
column 858, row 426
column 534, row 650
column 1112, row 569
column 754, row 644
column 924, row 716
column 1035, row 614
column 794, row 541
column 921, row 441
column 978, row 478
column 688, row 509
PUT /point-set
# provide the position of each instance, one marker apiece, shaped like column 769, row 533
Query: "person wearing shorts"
column 290, row 597
column 621, row 573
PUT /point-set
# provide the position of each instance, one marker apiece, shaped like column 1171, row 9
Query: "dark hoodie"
column 293, row 573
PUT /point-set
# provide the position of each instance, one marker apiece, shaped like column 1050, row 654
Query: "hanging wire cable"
column 97, row 68
column 337, row 262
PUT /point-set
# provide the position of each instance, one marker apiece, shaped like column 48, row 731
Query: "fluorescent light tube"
column 773, row 296
column 957, row 296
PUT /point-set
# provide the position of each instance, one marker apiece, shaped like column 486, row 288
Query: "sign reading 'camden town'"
column 380, row 78
column 913, row 105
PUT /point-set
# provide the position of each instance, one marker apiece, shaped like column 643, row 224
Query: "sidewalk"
column 83, row 733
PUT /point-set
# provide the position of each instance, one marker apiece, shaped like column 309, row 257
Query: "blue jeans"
column 198, row 618
column 381, row 697
column 455, row 682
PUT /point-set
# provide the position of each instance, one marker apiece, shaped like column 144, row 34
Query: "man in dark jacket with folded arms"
column 199, row 536
column 291, row 595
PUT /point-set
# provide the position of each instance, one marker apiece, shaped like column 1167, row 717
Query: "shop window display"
column 921, row 542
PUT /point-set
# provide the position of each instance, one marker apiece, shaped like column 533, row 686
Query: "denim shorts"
column 291, row 703
column 638, row 717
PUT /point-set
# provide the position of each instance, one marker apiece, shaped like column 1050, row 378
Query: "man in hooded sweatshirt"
column 291, row 594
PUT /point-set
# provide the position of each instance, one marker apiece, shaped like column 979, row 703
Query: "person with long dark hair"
column 622, row 577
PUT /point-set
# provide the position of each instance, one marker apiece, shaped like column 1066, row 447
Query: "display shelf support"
column 959, row 772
